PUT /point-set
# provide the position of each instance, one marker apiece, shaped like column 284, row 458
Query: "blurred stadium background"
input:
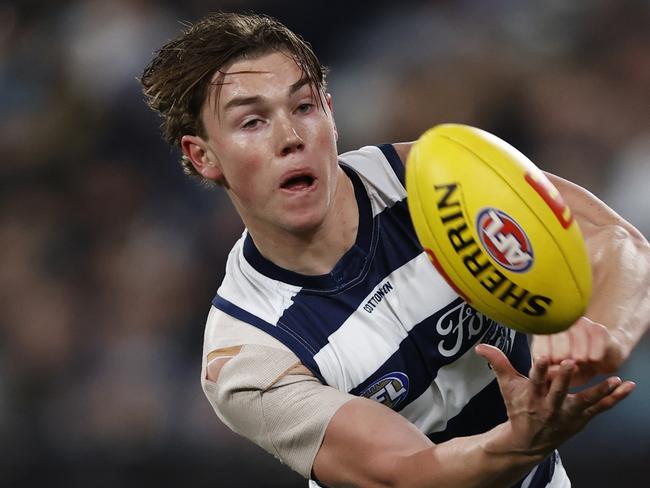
column 109, row 257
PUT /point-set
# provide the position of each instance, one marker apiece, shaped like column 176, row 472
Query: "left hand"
column 542, row 413
column 594, row 348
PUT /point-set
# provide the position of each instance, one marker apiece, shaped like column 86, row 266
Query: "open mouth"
column 298, row 182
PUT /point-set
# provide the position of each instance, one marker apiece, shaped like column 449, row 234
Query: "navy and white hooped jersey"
column 383, row 323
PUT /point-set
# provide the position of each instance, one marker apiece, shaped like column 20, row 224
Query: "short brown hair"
column 177, row 80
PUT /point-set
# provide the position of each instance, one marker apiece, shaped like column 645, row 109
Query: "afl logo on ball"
column 504, row 240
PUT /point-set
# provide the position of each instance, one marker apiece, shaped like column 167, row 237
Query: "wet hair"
column 178, row 79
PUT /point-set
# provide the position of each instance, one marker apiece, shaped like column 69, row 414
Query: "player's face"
column 272, row 144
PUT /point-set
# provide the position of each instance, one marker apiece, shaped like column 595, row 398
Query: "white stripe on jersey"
column 271, row 297
column 384, row 188
column 360, row 346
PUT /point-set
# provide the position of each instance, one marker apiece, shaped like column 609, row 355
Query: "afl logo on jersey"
column 391, row 389
column 504, row 240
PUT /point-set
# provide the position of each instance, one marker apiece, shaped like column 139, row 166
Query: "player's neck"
column 317, row 252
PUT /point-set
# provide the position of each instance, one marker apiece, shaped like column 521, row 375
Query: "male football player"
column 332, row 342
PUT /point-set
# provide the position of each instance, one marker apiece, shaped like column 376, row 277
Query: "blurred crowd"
column 109, row 256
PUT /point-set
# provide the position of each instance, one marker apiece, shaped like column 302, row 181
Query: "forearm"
column 390, row 452
column 620, row 262
column 369, row 445
column 466, row 462
column 621, row 282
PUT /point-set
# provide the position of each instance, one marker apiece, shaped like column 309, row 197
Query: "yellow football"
column 497, row 229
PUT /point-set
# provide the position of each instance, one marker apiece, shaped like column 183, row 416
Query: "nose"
column 290, row 140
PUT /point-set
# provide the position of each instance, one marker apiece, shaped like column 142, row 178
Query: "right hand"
column 542, row 414
column 595, row 348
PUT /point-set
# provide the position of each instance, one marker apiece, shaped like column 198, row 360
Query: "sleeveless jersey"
column 383, row 323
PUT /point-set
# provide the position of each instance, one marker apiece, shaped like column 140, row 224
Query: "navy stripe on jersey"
column 284, row 335
column 304, row 316
column 483, row 412
column 395, row 161
column 486, row 409
column 544, row 472
column 420, row 377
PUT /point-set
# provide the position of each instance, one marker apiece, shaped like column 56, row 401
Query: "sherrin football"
column 497, row 229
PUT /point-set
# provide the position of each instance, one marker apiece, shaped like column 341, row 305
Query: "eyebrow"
column 241, row 101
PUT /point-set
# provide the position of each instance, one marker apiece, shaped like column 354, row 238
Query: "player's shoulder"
column 376, row 163
column 381, row 170
column 403, row 149
column 368, row 159
column 227, row 337
column 225, row 331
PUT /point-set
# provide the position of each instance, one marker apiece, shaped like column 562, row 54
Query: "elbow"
column 619, row 245
column 624, row 232
column 633, row 248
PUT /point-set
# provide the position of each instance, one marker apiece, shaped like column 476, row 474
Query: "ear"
column 330, row 105
column 202, row 157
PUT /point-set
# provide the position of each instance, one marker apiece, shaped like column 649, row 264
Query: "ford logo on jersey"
column 391, row 389
column 504, row 240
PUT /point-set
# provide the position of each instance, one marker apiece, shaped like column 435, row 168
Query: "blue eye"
column 305, row 107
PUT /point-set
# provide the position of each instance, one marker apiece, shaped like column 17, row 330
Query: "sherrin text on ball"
column 497, row 229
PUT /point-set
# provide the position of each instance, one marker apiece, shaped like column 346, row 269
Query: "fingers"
column 499, row 362
column 537, row 375
column 555, row 346
column 595, row 349
column 603, row 396
column 560, row 384
column 579, row 343
column 598, row 343
column 541, row 346
column 591, row 396
column 573, row 343
column 589, row 342
column 560, row 346
column 617, row 394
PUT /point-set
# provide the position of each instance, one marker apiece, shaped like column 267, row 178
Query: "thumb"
column 499, row 362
